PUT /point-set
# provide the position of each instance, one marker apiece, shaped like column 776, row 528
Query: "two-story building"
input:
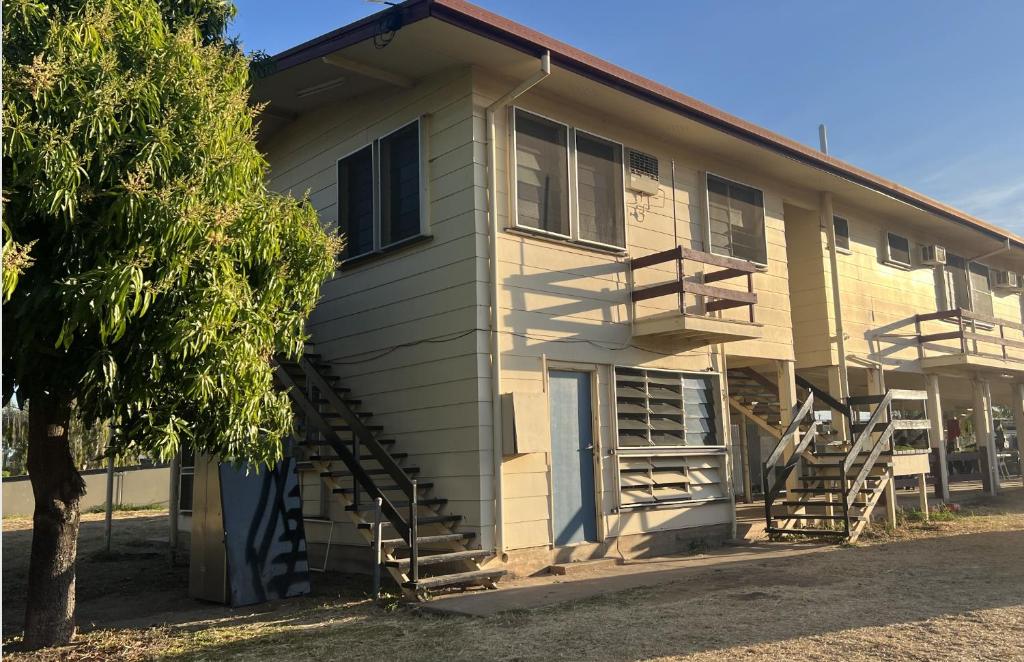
column 569, row 291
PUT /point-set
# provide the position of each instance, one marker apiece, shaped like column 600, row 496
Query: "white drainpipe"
column 492, row 214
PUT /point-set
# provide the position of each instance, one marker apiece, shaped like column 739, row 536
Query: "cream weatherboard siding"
column 428, row 397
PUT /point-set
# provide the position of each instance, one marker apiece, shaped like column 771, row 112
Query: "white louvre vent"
column 643, row 172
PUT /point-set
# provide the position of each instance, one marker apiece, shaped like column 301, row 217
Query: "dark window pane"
column 599, row 184
column 981, row 291
column 542, row 175
column 960, row 289
column 400, row 185
column 899, row 249
column 842, row 229
column 736, row 219
column 355, row 202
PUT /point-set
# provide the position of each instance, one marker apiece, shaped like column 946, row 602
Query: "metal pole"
column 110, row 499
column 414, row 552
column 377, row 546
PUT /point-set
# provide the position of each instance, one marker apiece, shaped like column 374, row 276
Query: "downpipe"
column 492, row 216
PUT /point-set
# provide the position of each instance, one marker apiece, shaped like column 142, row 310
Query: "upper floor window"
column 968, row 285
column 897, row 249
column 736, row 220
column 379, row 193
column 544, row 150
column 842, row 231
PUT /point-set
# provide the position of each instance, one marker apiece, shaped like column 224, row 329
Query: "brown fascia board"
column 500, row 29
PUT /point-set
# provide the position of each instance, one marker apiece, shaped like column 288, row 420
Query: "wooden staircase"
column 756, row 397
column 831, row 489
column 422, row 548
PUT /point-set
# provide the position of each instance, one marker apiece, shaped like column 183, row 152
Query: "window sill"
column 566, row 241
column 844, row 251
column 898, row 265
column 359, row 260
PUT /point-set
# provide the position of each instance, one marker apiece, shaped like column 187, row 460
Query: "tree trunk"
column 58, row 488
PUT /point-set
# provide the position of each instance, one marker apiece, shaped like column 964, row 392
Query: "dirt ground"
column 947, row 590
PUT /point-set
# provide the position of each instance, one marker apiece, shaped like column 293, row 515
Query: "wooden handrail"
column 720, row 298
column 791, row 429
column 959, row 316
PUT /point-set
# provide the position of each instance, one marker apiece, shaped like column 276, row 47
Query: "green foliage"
column 155, row 274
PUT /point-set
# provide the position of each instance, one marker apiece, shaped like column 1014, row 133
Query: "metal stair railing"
column 405, row 527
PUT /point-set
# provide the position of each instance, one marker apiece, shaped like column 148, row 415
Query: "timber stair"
column 344, row 447
column 830, row 489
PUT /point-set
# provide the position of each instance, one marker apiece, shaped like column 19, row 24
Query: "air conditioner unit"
column 1007, row 281
column 933, row 256
column 643, row 173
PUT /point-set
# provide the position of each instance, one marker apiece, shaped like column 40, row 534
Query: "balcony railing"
column 707, row 298
column 991, row 341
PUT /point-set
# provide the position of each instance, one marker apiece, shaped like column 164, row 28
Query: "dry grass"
column 948, row 590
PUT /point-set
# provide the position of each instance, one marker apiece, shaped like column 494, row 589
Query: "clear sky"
column 929, row 93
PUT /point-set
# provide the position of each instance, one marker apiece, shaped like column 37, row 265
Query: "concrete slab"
column 542, row 591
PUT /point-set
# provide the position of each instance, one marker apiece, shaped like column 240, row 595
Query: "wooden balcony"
column 673, row 298
column 961, row 338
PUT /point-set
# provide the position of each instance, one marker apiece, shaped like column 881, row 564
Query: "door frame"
column 594, row 370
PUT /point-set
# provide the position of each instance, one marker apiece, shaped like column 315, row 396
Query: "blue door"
column 572, row 458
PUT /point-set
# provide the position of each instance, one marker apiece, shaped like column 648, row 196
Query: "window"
column 668, row 447
column 736, row 220
column 379, row 193
column 897, row 249
column 544, row 151
column 599, row 188
column 355, row 201
column 400, row 185
column 842, row 232
column 542, row 174
column 968, row 285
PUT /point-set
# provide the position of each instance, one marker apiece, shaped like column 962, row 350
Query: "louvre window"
column 544, row 153
column 842, row 232
column 542, row 174
column 379, row 193
column 669, row 448
column 736, row 220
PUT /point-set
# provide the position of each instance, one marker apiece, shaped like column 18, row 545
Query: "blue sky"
column 929, row 93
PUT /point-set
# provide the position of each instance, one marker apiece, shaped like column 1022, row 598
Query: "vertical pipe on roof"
column 492, row 213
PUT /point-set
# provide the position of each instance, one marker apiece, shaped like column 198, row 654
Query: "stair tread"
column 383, row 488
column 446, row 557
column 813, row 516
column 369, row 472
column 428, row 540
column 808, row 532
column 369, row 508
column 438, row 581
column 429, row 519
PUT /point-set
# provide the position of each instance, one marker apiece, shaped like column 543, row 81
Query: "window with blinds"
column 669, row 448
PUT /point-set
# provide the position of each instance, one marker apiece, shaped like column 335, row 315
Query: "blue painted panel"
column 572, row 458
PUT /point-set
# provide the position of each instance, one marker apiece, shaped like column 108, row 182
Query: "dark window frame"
column 377, row 244
column 730, row 183
column 842, row 238
column 572, row 185
column 890, row 259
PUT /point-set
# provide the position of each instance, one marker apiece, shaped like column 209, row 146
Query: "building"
column 583, row 308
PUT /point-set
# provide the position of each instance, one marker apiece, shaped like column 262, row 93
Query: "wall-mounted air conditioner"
column 643, row 173
column 933, row 256
column 1006, row 281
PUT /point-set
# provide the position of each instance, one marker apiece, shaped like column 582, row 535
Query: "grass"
column 125, row 507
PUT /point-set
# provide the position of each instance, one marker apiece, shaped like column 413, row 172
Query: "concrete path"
column 593, row 579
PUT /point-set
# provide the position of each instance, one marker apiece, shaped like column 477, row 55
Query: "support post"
column 938, row 436
column 377, row 546
column 748, row 496
column 107, row 526
column 1017, row 395
column 173, row 496
column 922, row 494
column 983, row 437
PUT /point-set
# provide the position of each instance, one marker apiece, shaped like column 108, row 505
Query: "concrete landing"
column 542, row 591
